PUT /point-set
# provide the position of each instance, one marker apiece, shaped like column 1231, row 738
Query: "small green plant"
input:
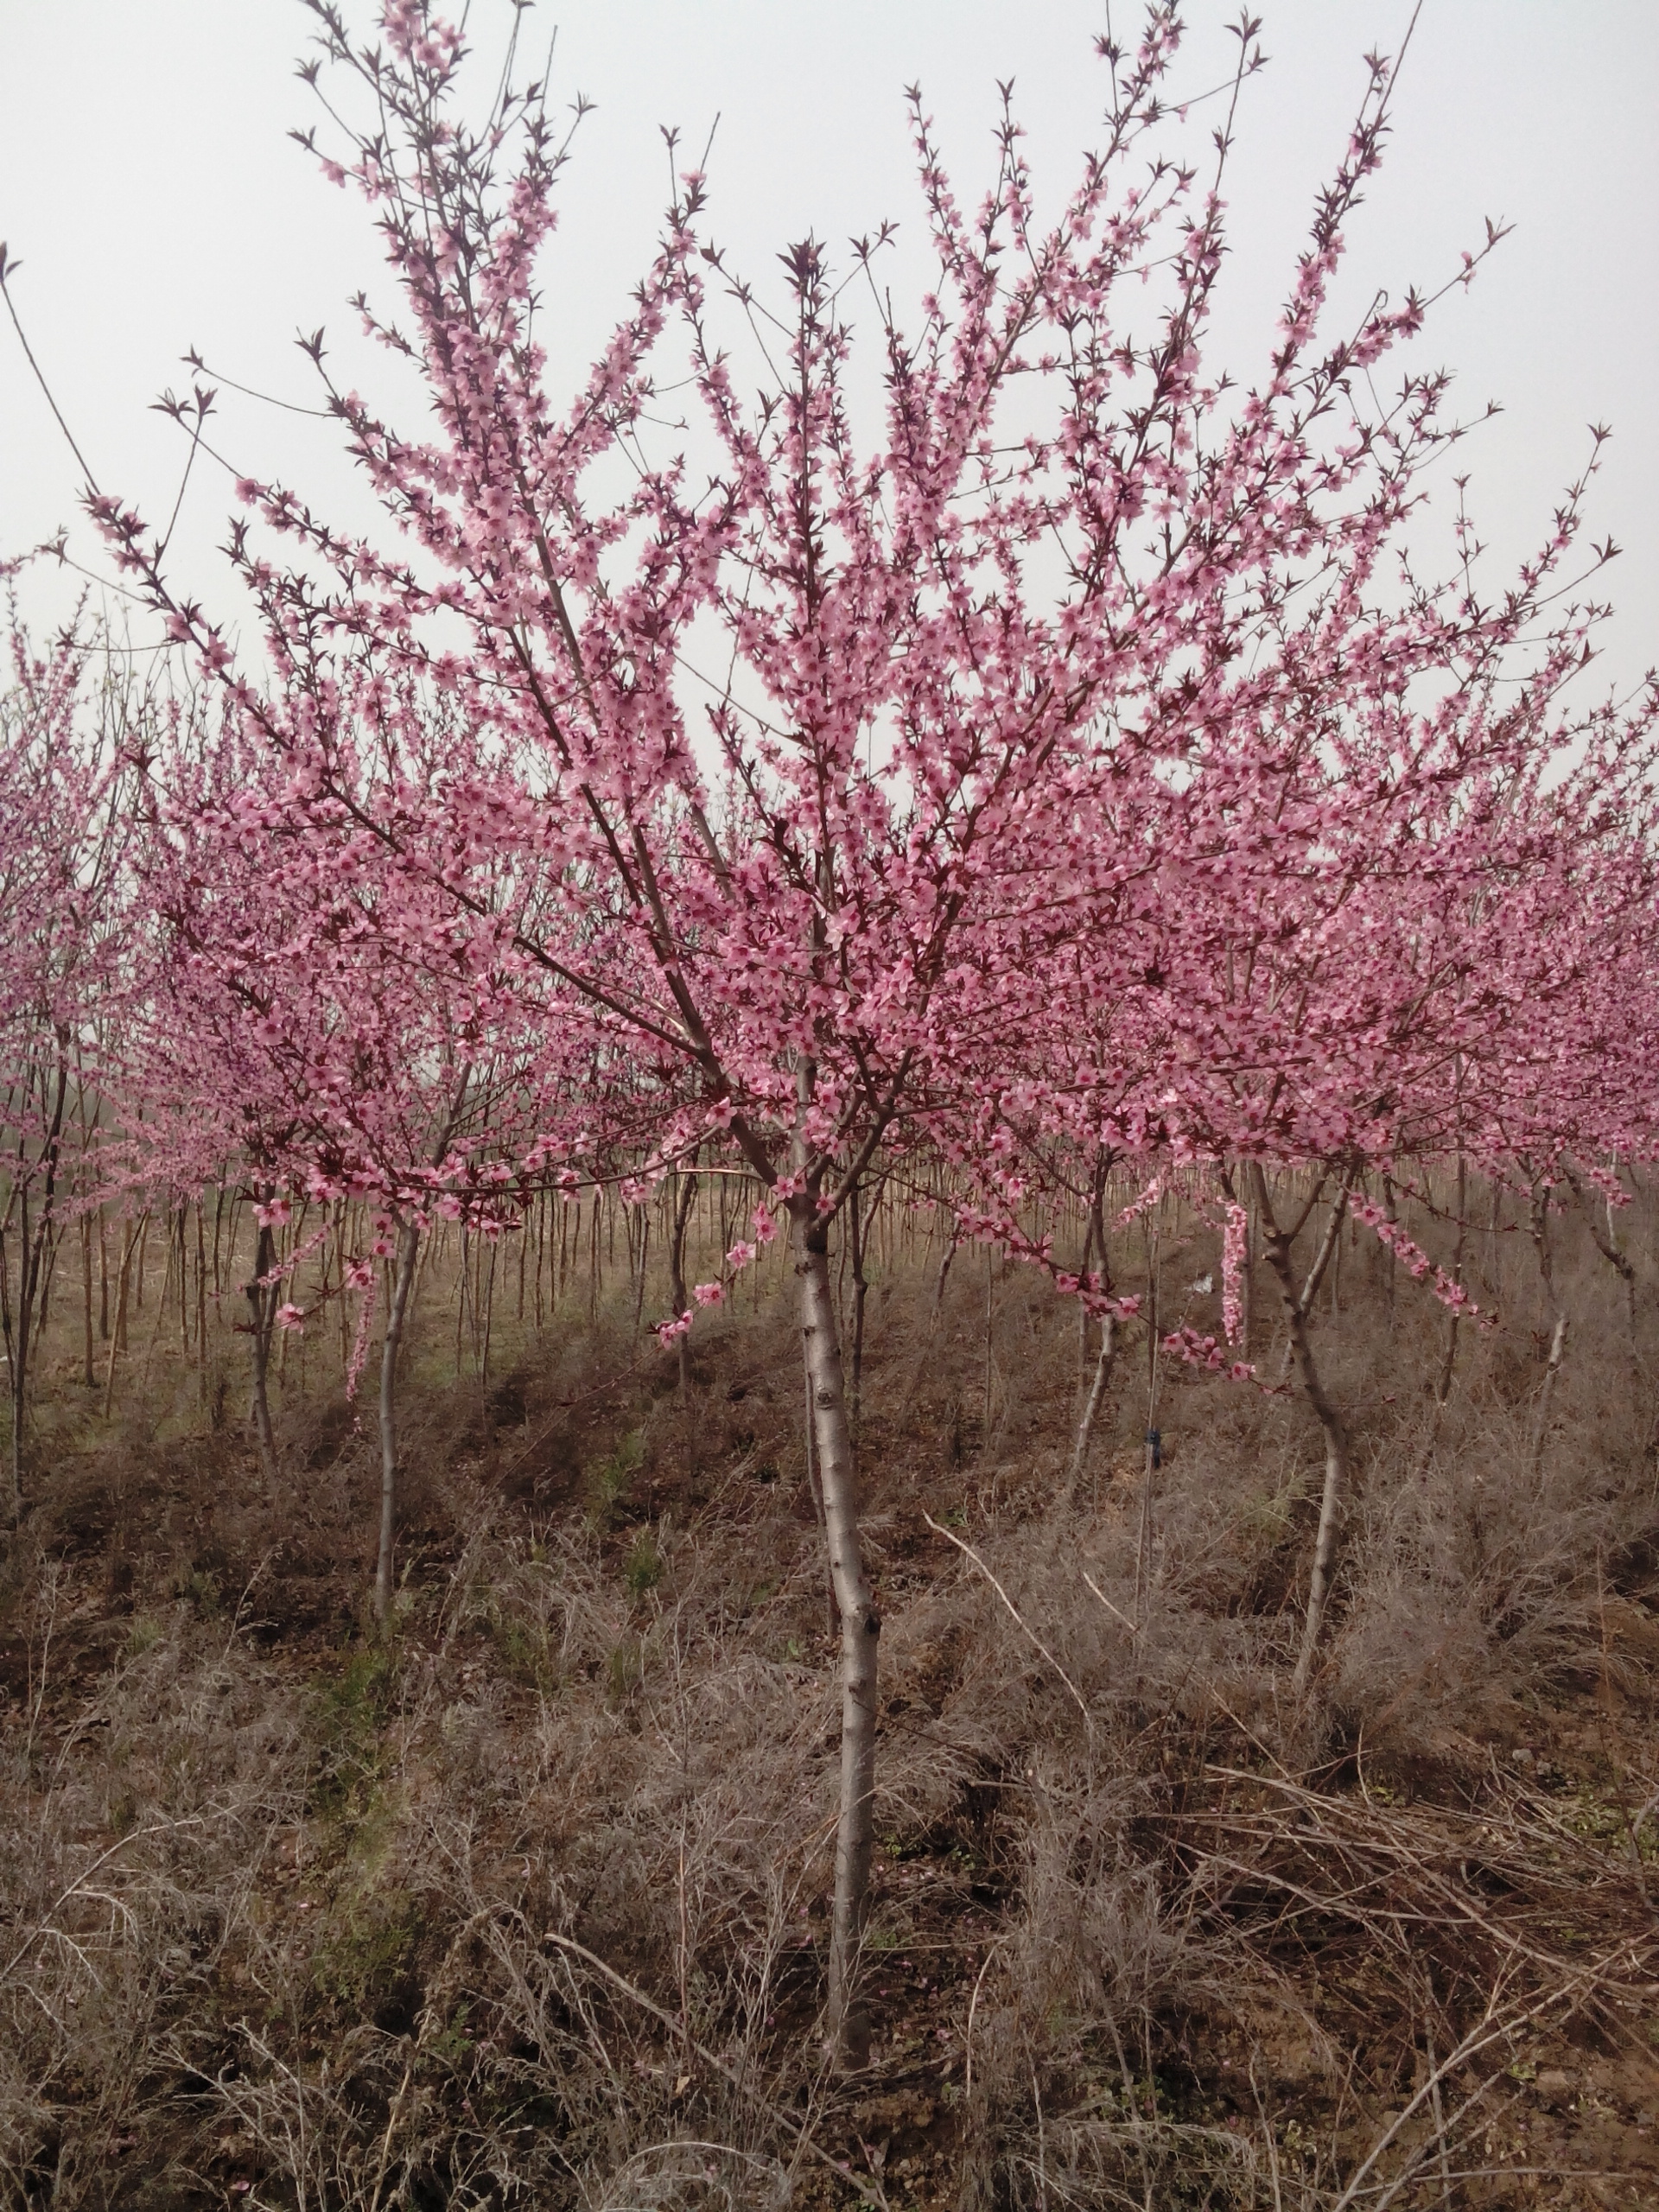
column 349, row 1712
column 367, row 1951
column 1270, row 1515
column 610, row 1480
column 625, row 1669
column 902, row 1846
column 200, row 1590
column 452, row 2044
column 143, row 1636
column 643, row 1570
column 523, row 1649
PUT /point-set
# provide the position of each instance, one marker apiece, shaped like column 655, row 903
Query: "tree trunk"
column 861, row 1628
column 409, row 1245
column 860, row 1292
column 639, row 1286
column 1554, row 1314
column 1552, row 1369
column 676, row 1272
column 1082, row 1310
column 17, row 1369
column 1247, row 1287
column 1277, row 1243
column 34, row 1257
column 1331, row 1243
column 1538, row 1229
column 87, row 1300
column 1449, row 1364
column 1097, row 1391
column 1608, row 1245
column 262, row 1301
column 118, row 1338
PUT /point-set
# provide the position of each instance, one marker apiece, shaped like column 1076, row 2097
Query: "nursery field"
column 828, row 1234
column 524, row 1900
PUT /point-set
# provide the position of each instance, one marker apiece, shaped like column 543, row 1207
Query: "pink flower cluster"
column 1202, row 1352
column 1412, row 1256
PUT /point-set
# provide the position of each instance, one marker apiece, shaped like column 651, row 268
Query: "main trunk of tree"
column 1096, row 1399
column 860, row 1629
column 34, row 1272
column 1449, row 1363
column 409, row 1245
column 687, row 1196
column 1277, row 1245
column 262, row 1300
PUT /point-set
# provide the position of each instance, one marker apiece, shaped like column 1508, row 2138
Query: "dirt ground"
column 525, row 1902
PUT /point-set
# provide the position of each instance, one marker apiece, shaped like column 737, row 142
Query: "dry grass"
column 526, row 1904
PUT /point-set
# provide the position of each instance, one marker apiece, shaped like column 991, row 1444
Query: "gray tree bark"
column 1096, row 1399
column 1554, row 1314
column 686, row 1197
column 1277, row 1240
column 409, row 1246
column 848, row 2032
column 262, row 1301
column 1449, row 1363
column 36, row 1252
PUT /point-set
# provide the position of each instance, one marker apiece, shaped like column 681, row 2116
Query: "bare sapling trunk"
column 1552, row 1369
column 1554, row 1314
column 639, row 1285
column 119, row 1335
column 676, row 1270
column 1607, row 1243
column 1096, row 1398
column 1082, row 1310
column 10, row 1331
column 924, row 1362
column 1102, row 1381
column 88, row 1376
column 409, row 1246
column 1329, row 1244
column 262, row 1302
column 1247, row 1286
column 848, row 2031
column 1152, row 1230
column 402, row 1284
column 1449, row 1365
column 1278, row 1239
column 831, row 1612
column 861, row 1292
column 36, row 1251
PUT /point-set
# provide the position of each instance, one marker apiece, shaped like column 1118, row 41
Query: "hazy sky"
column 148, row 189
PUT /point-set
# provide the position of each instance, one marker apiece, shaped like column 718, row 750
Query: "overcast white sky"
column 148, row 190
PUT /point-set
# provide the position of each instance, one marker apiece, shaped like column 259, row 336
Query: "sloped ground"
column 527, row 1903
